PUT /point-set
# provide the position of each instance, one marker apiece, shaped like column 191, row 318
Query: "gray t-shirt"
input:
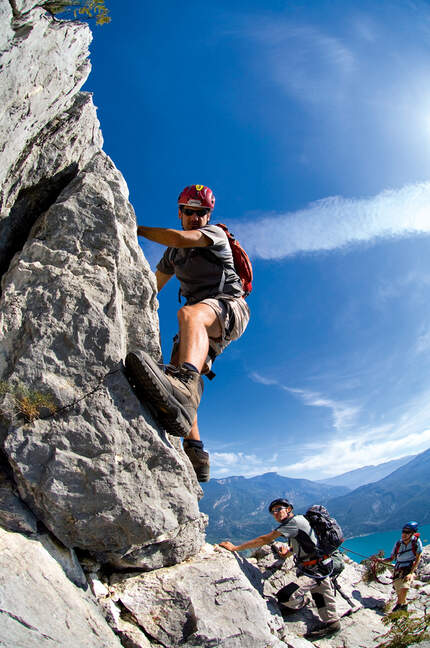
column 300, row 536
column 204, row 271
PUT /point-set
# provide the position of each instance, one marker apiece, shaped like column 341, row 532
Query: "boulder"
column 40, row 606
column 211, row 599
column 6, row 31
column 99, row 474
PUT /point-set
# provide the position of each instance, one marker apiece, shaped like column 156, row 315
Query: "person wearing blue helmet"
column 407, row 554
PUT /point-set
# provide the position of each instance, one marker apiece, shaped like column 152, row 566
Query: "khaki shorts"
column 402, row 583
column 233, row 315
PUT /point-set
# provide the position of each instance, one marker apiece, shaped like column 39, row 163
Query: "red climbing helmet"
column 197, row 196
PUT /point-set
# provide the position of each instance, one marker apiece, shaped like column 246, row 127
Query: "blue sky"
column 310, row 120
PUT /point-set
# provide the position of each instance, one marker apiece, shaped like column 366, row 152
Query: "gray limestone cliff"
column 89, row 483
column 101, row 539
column 76, row 294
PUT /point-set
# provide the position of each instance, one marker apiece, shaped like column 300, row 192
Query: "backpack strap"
column 222, row 282
column 306, row 544
column 396, row 548
column 415, row 543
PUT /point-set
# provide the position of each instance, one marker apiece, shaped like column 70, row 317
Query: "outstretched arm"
column 174, row 238
column 254, row 543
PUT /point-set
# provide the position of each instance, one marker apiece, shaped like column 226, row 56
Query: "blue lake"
column 372, row 543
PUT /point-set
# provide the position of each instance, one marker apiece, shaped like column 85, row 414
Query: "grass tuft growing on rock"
column 24, row 403
column 83, row 8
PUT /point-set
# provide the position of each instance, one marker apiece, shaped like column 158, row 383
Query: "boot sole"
column 150, row 392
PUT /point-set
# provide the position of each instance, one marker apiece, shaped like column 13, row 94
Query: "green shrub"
column 84, row 8
column 405, row 629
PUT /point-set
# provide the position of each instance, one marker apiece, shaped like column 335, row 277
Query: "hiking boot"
column 400, row 608
column 287, row 611
column 199, row 460
column 173, row 397
column 324, row 630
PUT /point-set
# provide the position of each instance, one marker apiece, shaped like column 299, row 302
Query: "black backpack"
column 327, row 530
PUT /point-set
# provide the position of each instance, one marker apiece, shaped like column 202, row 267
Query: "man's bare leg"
column 194, row 432
column 197, row 323
column 401, row 595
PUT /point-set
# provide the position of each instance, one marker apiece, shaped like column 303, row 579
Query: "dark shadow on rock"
column 15, row 515
column 29, row 205
column 252, row 573
column 376, row 604
column 271, row 569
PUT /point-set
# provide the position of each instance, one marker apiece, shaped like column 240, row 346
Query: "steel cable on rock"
column 78, row 400
column 373, row 563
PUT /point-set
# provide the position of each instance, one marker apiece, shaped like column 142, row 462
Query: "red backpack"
column 242, row 263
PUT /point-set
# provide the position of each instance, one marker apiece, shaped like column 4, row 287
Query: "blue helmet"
column 410, row 526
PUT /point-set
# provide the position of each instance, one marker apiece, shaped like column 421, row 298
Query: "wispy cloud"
column 240, row 463
column 423, row 343
column 343, row 414
column 411, row 282
column 337, row 222
column 263, row 380
column 306, row 62
column 354, row 442
column 364, row 448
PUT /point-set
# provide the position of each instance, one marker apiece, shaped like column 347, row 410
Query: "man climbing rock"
column 312, row 569
column 214, row 314
column 407, row 554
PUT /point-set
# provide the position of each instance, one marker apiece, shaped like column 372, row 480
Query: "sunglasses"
column 189, row 211
column 277, row 509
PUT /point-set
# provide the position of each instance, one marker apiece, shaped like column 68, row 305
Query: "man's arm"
column 162, row 278
column 285, row 551
column 415, row 564
column 174, row 238
column 252, row 544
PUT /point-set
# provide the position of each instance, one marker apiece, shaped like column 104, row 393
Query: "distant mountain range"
column 367, row 475
column 390, row 502
column 237, row 506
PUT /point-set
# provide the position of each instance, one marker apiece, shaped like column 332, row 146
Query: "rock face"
column 212, row 599
column 43, row 607
column 77, row 294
